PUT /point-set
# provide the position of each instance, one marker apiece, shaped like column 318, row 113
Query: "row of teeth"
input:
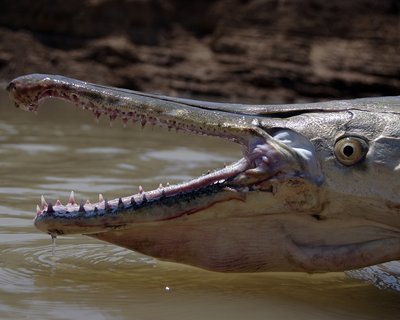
column 144, row 120
column 72, row 205
column 125, row 116
column 107, row 205
column 88, row 206
column 133, row 116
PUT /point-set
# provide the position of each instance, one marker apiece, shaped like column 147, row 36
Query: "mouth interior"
column 214, row 181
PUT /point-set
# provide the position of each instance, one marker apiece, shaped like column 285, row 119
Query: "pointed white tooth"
column 167, row 184
column 38, row 209
column 71, row 198
column 101, row 198
column 58, row 203
column 160, row 186
column 43, row 202
column 87, row 201
column 141, row 190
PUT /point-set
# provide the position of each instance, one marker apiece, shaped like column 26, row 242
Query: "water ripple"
column 35, row 148
column 103, row 150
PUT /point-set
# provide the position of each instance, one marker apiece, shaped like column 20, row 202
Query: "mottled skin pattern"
column 317, row 188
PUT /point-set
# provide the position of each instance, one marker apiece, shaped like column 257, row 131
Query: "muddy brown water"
column 63, row 149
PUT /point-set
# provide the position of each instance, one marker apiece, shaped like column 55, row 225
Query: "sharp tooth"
column 112, row 118
column 101, row 198
column 88, row 202
column 167, row 184
column 160, row 186
column 97, row 115
column 43, row 202
column 38, row 210
column 58, row 203
column 71, row 199
column 141, row 190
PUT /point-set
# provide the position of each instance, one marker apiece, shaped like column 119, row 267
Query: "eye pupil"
column 348, row 151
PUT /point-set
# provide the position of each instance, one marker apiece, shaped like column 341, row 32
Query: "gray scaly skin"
column 317, row 188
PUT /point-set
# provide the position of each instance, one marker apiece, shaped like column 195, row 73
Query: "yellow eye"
column 350, row 150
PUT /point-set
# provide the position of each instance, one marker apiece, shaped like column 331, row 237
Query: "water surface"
column 63, row 149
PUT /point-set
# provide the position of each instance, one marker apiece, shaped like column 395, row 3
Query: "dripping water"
column 53, row 245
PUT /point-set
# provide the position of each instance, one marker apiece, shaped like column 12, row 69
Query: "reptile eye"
column 350, row 150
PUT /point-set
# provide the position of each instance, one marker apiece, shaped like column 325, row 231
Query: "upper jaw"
column 28, row 91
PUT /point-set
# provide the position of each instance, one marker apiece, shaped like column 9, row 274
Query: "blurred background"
column 253, row 51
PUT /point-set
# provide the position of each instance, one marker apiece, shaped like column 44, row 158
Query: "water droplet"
column 53, row 244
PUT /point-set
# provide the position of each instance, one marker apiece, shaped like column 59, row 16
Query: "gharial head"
column 317, row 188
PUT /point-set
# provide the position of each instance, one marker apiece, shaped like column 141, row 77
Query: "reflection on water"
column 61, row 150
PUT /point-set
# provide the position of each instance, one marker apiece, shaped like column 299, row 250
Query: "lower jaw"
column 153, row 211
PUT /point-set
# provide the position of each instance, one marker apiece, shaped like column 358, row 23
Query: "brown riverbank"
column 254, row 51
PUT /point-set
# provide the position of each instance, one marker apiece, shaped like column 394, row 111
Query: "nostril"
column 11, row 86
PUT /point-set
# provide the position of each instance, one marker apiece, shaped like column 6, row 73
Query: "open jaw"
column 266, row 155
